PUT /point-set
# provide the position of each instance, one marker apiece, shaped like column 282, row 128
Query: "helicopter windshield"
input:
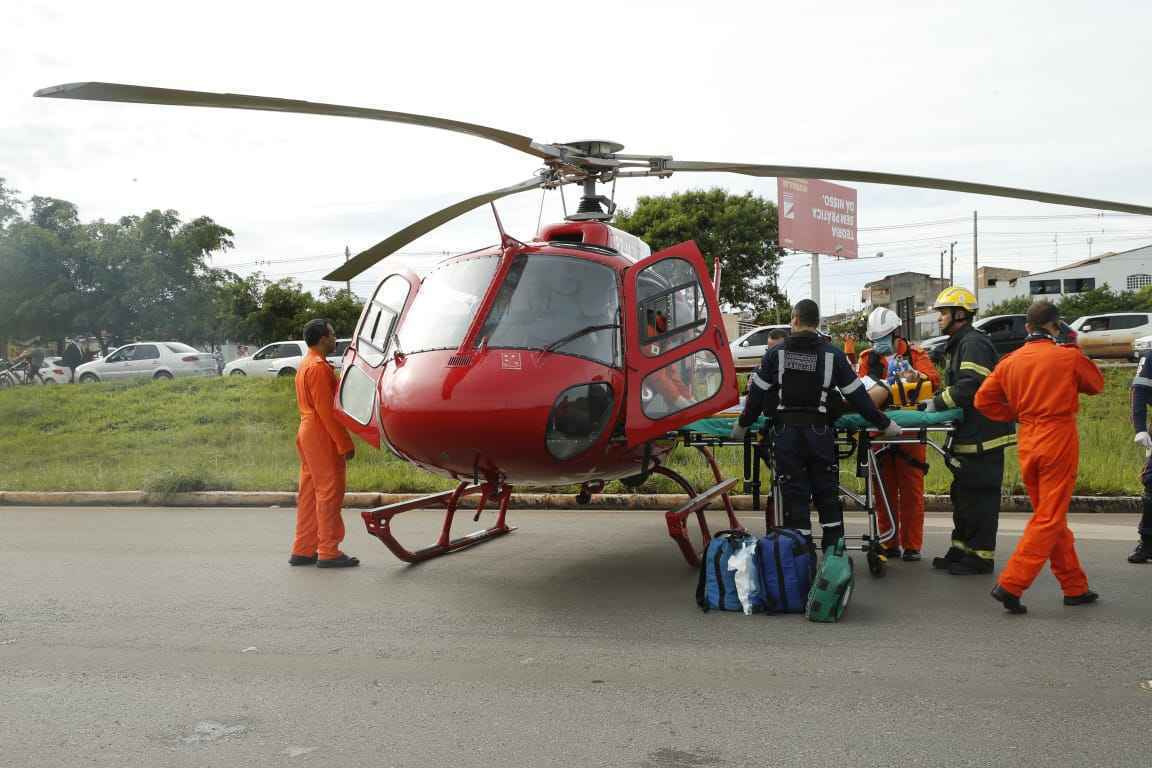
column 443, row 309
column 560, row 304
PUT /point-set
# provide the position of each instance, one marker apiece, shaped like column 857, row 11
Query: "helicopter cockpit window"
column 443, row 309
column 671, row 304
column 681, row 384
column 560, row 304
column 380, row 319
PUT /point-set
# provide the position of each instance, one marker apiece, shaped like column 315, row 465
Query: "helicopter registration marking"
column 510, row 361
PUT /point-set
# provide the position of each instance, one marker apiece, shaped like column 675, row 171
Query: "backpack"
column 787, row 561
column 716, row 589
column 833, row 588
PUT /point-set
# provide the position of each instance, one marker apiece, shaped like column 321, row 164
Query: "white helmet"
column 881, row 322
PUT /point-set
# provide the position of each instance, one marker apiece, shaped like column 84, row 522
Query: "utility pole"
column 815, row 289
column 347, row 255
column 952, row 263
column 975, row 253
column 942, row 264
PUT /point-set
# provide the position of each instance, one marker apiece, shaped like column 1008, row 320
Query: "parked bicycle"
column 17, row 373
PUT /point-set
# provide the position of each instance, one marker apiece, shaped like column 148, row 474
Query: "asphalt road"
column 180, row 637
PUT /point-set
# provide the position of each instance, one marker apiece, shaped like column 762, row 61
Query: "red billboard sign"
column 817, row 217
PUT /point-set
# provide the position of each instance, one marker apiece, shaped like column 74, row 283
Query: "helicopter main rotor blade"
column 378, row 252
column 140, row 94
column 897, row 179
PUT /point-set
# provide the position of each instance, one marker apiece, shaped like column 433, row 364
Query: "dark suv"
column 1006, row 331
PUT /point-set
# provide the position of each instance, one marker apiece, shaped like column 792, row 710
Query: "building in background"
column 990, row 277
column 1124, row 271
column 910, row 295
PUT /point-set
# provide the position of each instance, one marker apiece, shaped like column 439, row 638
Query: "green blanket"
column 721, row 426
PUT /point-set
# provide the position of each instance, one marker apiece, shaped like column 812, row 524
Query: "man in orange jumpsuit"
column 1037, row 385
column 902, row 467
column 324, row 447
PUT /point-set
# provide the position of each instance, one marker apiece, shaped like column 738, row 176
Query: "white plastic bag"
column 743, row 562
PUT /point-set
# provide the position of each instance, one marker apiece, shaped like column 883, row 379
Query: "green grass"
column 238, row 434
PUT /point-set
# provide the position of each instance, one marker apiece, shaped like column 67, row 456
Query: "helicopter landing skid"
column 677, row 519
column 378, row 520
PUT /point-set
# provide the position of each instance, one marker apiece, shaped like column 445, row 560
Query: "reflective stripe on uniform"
column 829, row 360
column 959, row 545
column 1141, row 381
column 780, row 381
column 986, row 554
column 975, row 367
column 852, row 387
column 759, row 382
column 946, row 396
column 996, row 442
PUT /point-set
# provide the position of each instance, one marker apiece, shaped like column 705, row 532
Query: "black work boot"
column 953, row 555
column 1143, row 551
column 892, row 553
column 972, row 565
column 1010, row 601
column 1084, row 599
column 302, row 560
column 911, row 556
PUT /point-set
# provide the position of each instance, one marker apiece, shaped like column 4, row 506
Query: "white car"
column 53, row 371
column 1113, row 334
column 280, row 358
column 148, row 360
column 751, row 346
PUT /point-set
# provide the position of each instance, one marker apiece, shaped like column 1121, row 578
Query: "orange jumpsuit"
column 903, row 482
column 322, row 443
column 1038, row 385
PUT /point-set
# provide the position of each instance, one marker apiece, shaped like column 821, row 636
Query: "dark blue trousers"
column 808, row 469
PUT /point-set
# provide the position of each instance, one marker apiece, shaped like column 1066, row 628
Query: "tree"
column 738, row 230
column 341, row 308
column 1094, row 302
column 284, row 309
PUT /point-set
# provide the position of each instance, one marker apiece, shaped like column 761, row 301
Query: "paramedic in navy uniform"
column 792, row 387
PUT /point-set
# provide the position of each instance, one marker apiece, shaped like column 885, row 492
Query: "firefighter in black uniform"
column 793, row 386
column 976, row 447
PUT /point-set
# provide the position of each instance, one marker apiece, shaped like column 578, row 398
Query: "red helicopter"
column 572, row 358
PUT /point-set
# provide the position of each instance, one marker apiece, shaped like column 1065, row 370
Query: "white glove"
column 892, row 430
column 931, row 406
column 738, row 432
column 1144, row 439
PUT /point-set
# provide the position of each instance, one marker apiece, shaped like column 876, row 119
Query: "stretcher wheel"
column 875, row 563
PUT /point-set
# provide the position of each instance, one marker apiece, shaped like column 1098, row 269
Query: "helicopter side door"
column 678, row 365
column 370, row 354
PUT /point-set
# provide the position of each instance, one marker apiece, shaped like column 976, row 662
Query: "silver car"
column 148, row 360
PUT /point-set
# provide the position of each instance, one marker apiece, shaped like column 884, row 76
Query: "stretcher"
column 855, row 437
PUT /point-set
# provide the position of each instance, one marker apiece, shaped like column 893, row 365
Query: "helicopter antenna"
column 499, row 224
column 505, row 239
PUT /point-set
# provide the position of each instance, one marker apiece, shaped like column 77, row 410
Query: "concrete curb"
column 660, row 501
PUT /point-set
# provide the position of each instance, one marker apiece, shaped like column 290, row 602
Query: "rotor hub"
column 594, row 147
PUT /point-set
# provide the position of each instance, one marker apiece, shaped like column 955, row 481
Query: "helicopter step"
column 697, row 502
column 378, row 520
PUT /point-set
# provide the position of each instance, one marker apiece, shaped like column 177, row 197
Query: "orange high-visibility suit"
column 1037, row 385
column 903, row 480
column 322, row 443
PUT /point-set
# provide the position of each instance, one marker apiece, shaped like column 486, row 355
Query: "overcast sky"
column 1045, row 95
